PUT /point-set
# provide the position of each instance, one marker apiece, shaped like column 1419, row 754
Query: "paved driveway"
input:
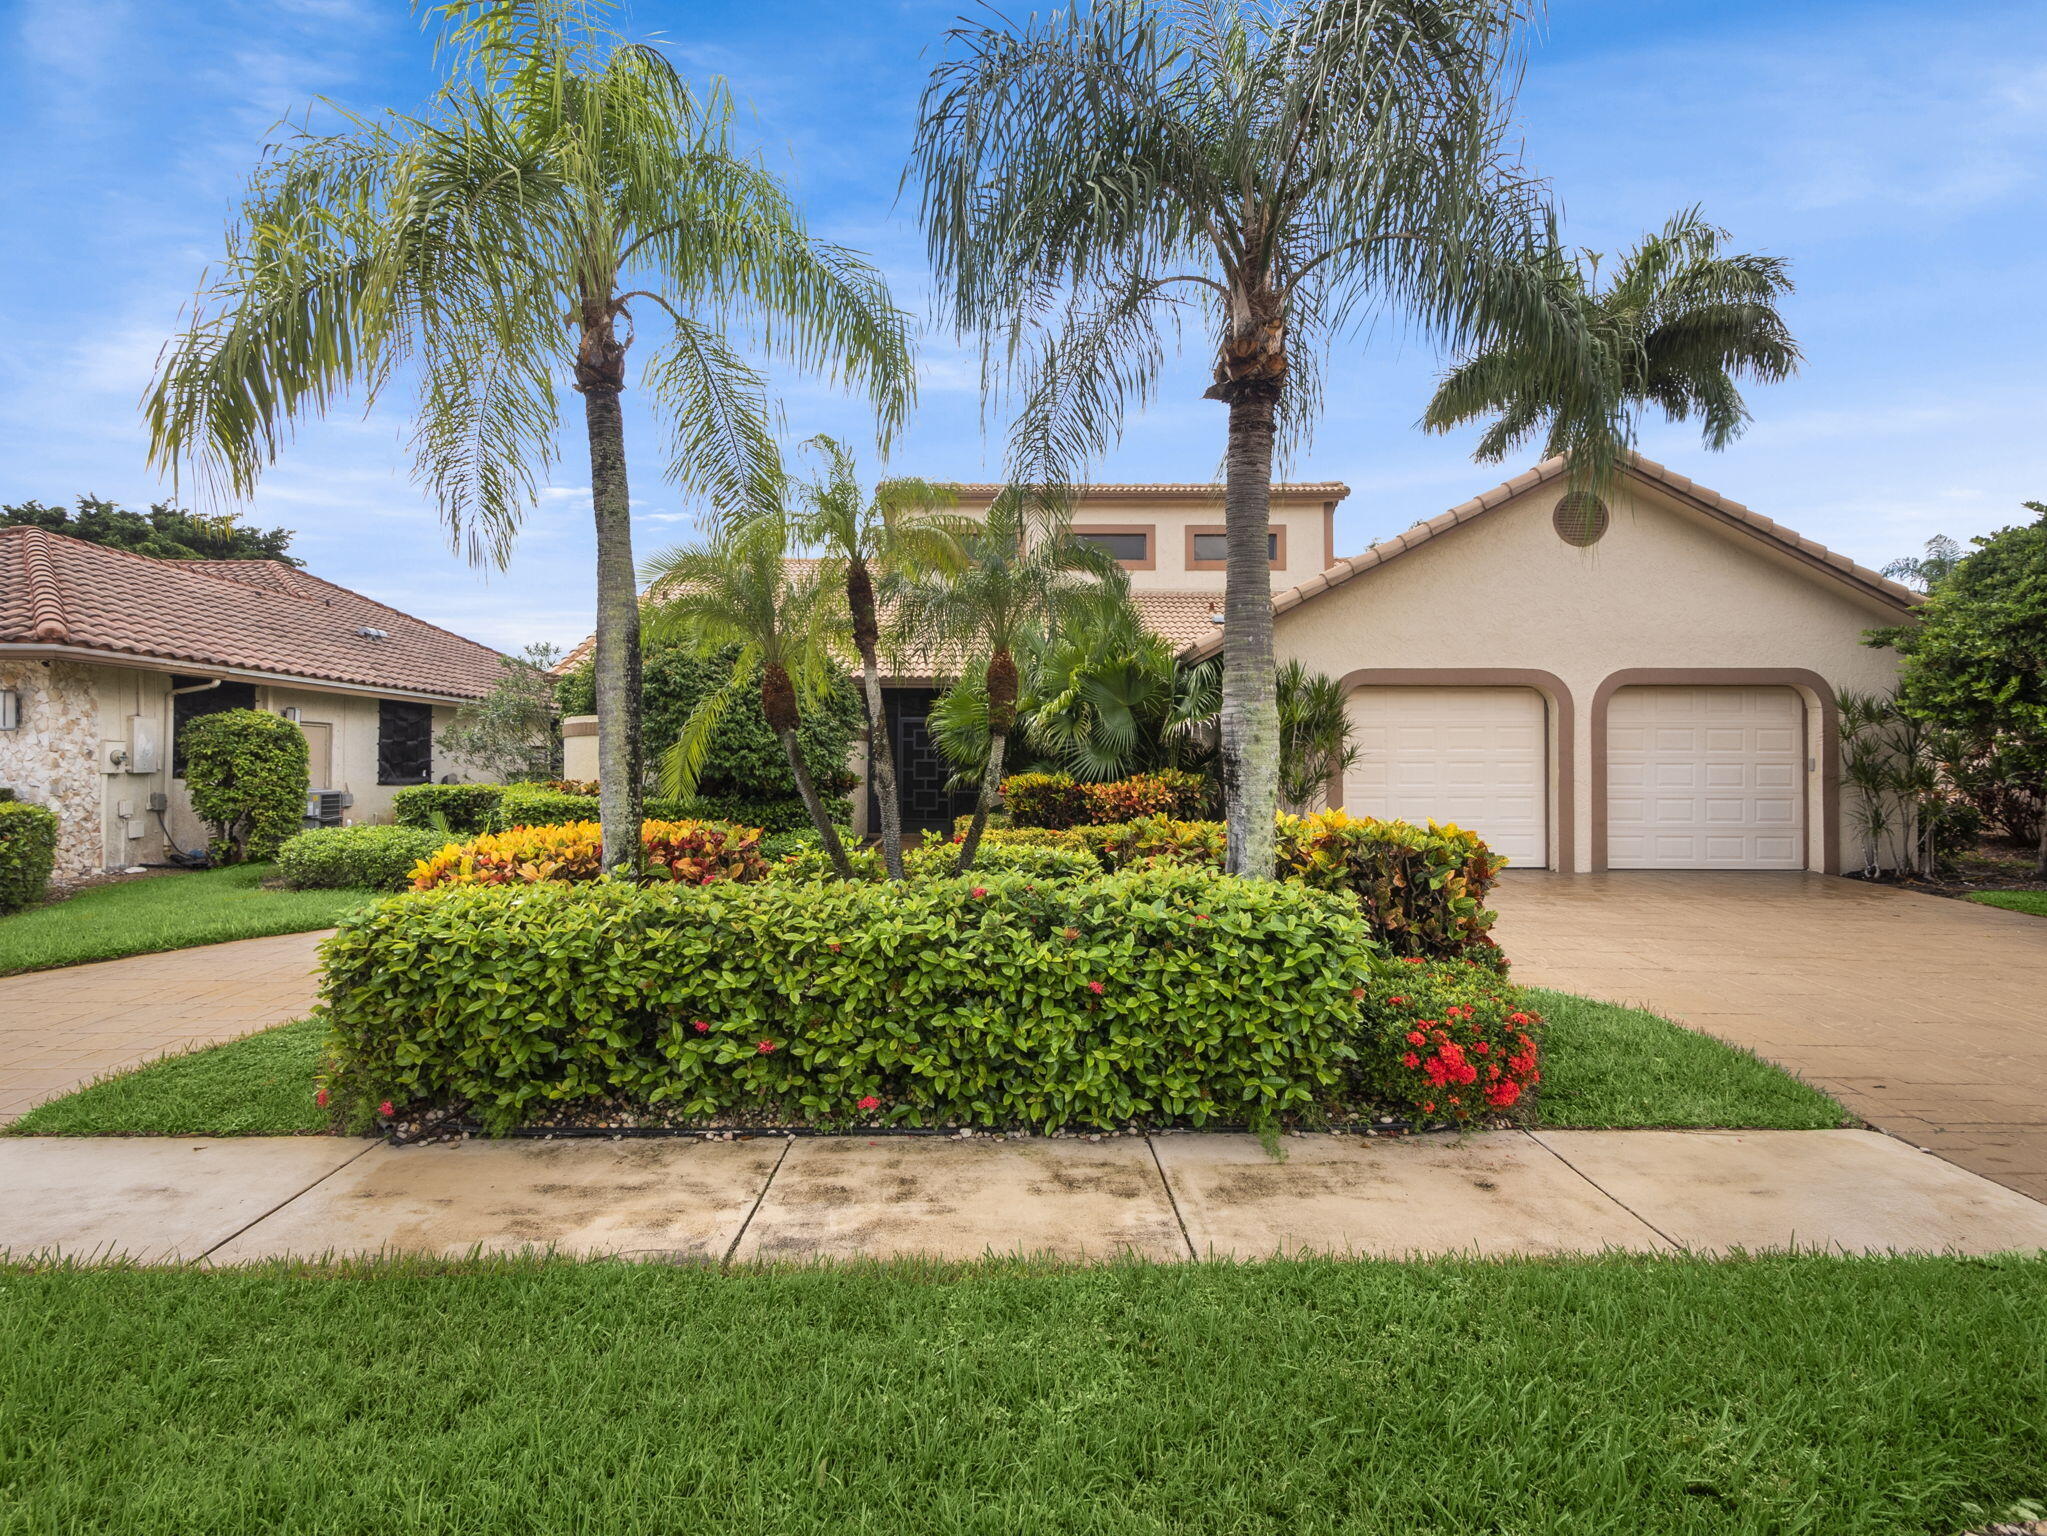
column 1926, row 1016
column 63, row 1028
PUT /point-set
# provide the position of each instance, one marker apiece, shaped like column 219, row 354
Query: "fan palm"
column 1018, row 574
column 1677, row 324
column 1279, row 173
column 738, row 591
column 893, row 534
column 562, row 185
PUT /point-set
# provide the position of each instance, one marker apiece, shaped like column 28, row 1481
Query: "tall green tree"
column 1019, row 574
column 563, row 185
column 892, row 537
column 163, row 532
column 1277, row 174
column 737, row 592
column 1674, row 326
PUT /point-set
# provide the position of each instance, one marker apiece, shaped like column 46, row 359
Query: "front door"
column 921, row 769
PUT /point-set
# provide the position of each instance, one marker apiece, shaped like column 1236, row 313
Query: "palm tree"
column 1287, row 171
column 1314, row 735
column 739, row 590
column 562, row 185
column 1019, row 573
column 1673, row 329
column 894, row 534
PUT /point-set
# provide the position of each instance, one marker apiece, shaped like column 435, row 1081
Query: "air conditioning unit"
column 324, row 807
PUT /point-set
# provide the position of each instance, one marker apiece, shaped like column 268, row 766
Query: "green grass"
column 1799, row 1396
column 1606, row 1067
column 137, row 917
column 261, row 1085
column 2034, row 902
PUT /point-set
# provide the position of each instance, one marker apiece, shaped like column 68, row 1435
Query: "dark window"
column 405, row 742
column 1119, row 546
column 1216, row 546
column 187, row 707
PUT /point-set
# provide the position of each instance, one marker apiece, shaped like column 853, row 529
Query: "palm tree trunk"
column 881, row 757
column 1250, row 711
column 1001, row 717
column 620, row 767
column 778, row 703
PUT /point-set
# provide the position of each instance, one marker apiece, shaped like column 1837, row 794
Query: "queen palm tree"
column 1277, row 173
column 563, row 184
column 738, row 590
column 1675, row 326
column 1018, row 574
column 894, row 535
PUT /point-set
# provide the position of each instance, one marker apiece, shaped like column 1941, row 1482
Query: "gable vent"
column 1580, row 518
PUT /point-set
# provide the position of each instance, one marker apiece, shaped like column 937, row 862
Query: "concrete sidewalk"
column 1164, row 1197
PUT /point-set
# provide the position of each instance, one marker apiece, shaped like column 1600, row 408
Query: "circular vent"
column 1580, row 518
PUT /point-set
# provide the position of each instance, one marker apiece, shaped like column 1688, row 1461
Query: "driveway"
column 61, row 1029
column 1925, row 1016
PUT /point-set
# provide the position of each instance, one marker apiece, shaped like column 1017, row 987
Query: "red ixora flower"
column 835, row 948
column 1396, row 1001
column 1357, row 994
column 1413, row 960
column 700, row 1026
column 320, row 1098
column 1095, row 987
column 978, row 892
column 1410, row 1060
column 1416, row 1037
column 386, row 1110
column 1519, row 1018
column 1503, row 1095
column 870, row 1102
column 766, row 1048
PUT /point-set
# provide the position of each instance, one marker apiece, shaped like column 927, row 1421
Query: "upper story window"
column 405, row 742
column 187, row 707
column 1208, row 549
column 1129, row 546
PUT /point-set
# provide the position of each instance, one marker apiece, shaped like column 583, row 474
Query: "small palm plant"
column 739, row 590
column 1677, row 324
column 1019, row 574
column 891, row 536
column 1314, row 735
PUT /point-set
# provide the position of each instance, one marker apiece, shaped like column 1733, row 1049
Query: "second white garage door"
column 1474, row 756
column 1705, row 778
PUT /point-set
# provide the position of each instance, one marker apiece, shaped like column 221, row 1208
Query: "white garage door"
column 1705, row 778
column 1473, row 756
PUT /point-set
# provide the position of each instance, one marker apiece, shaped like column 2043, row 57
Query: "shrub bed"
column 28, row 853
column 801, row 858
column 690, row 852
column 1057, row 801
column 537, row 806
column 364, row 858
column 465, row 809
column 1165, row 994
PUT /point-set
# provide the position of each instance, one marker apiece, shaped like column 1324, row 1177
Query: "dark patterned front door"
column 921, row 769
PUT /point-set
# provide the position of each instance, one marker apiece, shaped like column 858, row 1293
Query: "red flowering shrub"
column 1447, row 1041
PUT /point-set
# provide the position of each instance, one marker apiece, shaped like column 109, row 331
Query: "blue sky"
column 1896, row 153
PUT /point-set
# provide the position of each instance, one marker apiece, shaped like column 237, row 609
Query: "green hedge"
column 1166, row 994
column 799, row 857
column 524, row 807
column 466, row 809
column 365, row 858
column 28, row 852
column 245, row 770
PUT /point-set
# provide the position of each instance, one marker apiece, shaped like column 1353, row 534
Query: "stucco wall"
column 1666, row 589
column 1303, row 548
column 51, row 760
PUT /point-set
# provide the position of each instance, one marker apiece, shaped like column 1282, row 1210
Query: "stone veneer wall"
column 53, row 758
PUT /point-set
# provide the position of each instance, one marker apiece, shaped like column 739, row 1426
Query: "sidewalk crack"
column 287, row 1200
column 754, row 1209
column 1644, row 1220
column 1171, row 1198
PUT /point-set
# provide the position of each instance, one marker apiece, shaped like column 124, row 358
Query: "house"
column 105, row 656
column 1640, row 681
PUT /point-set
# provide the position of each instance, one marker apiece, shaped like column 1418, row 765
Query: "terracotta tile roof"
column 239, row 615
column 1284, row 490
column 1680, row 487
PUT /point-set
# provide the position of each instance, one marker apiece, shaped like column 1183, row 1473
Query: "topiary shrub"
column 1051, row 800
column 1169, row 995
column 1055, row 800
column 246, row 773
column 691, row 852
column 1447, row 1041
column 366, row 858
column 28, row 853
column 464, row 809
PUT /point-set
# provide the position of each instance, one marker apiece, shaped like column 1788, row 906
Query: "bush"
column 540, row 806
column 1423, row 889
column 1155, row 839
column 465, row 809
column 1448, row 1041
column 366, row 858
column 1054, row 800
column 690, row 852
column 246, row 773
column 803, row 859
column 1171, row 995
column 28, row 853
column 1043, row 800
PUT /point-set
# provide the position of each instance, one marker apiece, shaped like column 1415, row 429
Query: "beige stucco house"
column 105, row 654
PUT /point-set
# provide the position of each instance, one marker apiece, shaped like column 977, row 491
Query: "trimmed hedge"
column 28, row 853
column 1057, row 801
column 693, row 852
column 1164, row 994
column 366, row 858
column 245, row 770
column 1448, row 1041
column 467, row 809
column 537, row 806
column 802, row 859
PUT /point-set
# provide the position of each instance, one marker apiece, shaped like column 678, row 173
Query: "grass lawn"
column 1788, row 1395
column 1606, row 1067
column 137, row 917
column 2034, row 902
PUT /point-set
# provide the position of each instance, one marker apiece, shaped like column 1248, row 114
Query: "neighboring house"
column 108, row 655
column 1643, row 683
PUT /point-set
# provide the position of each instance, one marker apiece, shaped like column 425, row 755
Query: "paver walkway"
column 1925, row 1016
column 63, row 1028
column 1161, row 1197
